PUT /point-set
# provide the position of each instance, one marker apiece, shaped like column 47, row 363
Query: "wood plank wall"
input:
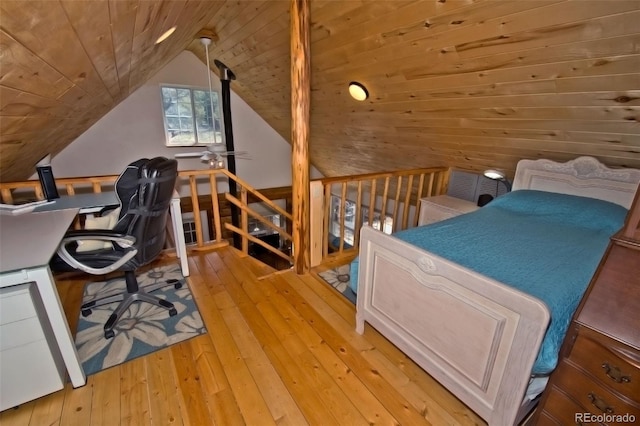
column 470, row 84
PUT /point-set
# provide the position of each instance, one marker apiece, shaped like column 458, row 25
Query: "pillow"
column 113, row 217
column 107, row 221
column 586, row 212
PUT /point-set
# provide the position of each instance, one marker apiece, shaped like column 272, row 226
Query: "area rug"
column 338, row 278
column 143, row 328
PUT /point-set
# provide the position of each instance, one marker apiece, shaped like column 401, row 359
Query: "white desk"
column 94, row 202
column 27, row 243
column 87, row 203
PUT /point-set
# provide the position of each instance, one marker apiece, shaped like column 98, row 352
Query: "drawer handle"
column 600, row 403
column 615, row 374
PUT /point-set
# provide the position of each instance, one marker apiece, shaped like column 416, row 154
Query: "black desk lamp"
column 498, row 175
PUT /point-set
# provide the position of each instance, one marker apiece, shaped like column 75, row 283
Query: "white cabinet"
column 440, row 207
column 30, row 365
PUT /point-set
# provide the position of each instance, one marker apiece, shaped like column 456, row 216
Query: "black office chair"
column 144, row 190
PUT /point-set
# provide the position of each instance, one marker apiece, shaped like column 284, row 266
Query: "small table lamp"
column 498, row 175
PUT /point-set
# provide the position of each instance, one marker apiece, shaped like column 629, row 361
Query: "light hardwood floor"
column 280, row 349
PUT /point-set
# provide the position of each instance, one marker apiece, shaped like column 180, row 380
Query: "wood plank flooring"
column 280, row 349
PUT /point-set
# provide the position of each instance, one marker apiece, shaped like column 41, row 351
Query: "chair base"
column 134, row 294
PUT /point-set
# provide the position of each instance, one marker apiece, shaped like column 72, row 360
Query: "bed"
column 464, row 308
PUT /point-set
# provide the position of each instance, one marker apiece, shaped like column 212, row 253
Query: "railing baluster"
column 396, row 204
column 216, row 208
column 358, row 213
column 343, row 209
column 195, row 203
column 407, row 201
column 327, row 217
column 244, row 220
column 372, row 201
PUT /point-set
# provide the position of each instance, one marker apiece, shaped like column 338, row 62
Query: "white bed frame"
column 476, row 336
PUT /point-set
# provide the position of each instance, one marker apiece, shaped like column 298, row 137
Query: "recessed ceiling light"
column 166, row 35
column 358, row 91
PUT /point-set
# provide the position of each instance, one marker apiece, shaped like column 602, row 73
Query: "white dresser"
column 440, row 207
column 30, row 364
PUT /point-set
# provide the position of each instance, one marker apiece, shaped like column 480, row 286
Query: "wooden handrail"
column 13, row 192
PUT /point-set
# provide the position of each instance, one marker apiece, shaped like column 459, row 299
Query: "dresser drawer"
column 561, row 410
column 590, row 394
column 613, row 369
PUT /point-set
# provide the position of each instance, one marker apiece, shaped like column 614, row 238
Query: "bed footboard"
column 477, row 337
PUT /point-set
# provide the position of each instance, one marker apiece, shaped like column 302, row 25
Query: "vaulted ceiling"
column 464, row 83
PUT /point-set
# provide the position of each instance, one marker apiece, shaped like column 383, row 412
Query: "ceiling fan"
column 214, row 153
column 213, row 156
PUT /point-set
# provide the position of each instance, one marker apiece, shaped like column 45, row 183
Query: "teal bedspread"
column 545, row 244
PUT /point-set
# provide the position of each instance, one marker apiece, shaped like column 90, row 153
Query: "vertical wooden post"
column 300, row 106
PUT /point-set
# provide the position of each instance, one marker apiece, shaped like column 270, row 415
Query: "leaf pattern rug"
column 143, row 328
column 338, row 278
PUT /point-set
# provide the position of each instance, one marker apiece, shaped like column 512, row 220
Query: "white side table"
column 440, row 207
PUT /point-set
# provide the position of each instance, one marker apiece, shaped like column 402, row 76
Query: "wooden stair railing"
column 244, row 190
column 388, row 201
column 395, row 197
column 16, row 192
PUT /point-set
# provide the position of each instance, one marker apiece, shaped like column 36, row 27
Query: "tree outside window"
column 189, row 118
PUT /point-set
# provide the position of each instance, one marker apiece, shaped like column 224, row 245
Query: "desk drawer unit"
column 30, row 366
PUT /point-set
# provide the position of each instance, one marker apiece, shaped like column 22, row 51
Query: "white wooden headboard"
column 583, row 176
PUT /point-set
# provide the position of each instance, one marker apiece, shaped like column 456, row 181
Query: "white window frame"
column 188, row 221
column 198, row 132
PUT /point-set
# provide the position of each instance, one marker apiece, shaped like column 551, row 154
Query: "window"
column 189, row 227
column 190, row 116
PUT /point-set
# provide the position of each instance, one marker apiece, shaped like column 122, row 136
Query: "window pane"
column 184, row 110
column 173, row 123
column 186, row 124
column 169, row 96
column 184, row 95
column 171, row 109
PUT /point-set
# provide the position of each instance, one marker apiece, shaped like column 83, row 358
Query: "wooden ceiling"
column 463, row 83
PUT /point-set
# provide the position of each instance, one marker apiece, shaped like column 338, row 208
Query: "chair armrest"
column 124, row 241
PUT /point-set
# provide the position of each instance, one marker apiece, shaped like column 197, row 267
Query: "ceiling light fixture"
column 166, row 35
column 358, row 91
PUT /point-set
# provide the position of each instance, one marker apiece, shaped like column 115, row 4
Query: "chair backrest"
column 145, row 189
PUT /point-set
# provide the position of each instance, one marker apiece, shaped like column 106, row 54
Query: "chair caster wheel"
column 85, row 312
column 108, row 334
column 176, row 284
column 173, row 312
